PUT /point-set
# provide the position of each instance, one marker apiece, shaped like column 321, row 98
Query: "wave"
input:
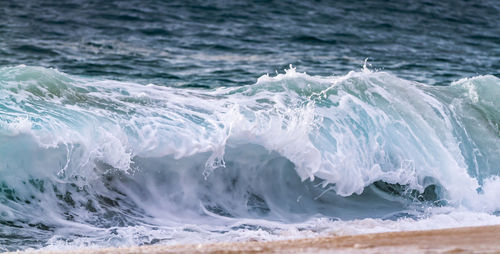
column 79, row 155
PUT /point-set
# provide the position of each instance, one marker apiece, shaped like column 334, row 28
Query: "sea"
column 126, row 123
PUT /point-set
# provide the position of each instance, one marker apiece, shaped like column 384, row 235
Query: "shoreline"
column 482, row 239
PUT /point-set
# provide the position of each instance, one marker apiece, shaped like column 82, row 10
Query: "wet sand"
column 485, row 239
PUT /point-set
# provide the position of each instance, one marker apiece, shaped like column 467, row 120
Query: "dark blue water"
column 155, row 122
column 229, row 43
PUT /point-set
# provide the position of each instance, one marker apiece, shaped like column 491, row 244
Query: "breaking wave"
column 107, row 163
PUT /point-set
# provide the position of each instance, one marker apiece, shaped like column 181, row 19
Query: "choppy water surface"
column 130, row 123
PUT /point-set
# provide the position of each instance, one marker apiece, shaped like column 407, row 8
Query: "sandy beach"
column 485, row 239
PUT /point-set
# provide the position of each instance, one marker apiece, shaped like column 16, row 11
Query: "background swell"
column 221, row 43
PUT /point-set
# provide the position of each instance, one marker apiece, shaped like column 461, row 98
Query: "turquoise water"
column 125, row 124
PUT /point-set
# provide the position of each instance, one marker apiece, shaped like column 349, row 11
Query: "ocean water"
column 152, row 122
